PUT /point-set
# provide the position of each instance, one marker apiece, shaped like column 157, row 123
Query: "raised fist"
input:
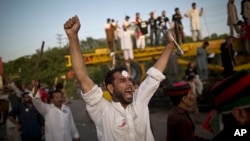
column 72, row 26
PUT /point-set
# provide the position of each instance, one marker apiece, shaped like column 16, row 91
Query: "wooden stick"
column 6, row 79
column 38, row 61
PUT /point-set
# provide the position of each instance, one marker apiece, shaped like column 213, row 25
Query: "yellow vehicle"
column 101, row 56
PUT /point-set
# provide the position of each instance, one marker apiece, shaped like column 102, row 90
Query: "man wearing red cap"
column 180, row 126
column 232, row 108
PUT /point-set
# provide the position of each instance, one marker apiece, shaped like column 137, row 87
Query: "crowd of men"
column 37, row 113
column 34, row 117
column 157, row 25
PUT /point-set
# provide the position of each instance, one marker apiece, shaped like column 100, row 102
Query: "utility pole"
column 67, row 41
column 59, row 38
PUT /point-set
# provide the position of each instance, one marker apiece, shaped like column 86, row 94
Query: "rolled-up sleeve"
column 94, row 103
column 148, row 87
column 156, row 74
column 93, row 96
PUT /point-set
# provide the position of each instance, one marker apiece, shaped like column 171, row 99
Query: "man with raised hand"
column 126, row 117
column 59, row 122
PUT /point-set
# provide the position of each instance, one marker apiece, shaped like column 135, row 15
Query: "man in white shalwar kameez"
column 126, row 46
column 59, row 122
column 195, row 26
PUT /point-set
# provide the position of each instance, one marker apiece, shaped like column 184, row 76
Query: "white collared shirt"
column 113, row 122
column 59, row 123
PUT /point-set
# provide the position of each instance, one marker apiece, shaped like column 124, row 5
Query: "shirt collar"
column 118, row 106
column 53, row 105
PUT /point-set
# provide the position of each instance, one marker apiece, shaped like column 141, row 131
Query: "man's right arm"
column 71, row 27
column 15, row 89
column 40, row 106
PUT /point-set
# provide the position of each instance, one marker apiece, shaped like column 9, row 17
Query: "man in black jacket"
column 227, row 56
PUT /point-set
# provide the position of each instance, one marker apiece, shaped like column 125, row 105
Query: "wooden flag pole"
column 38, row 61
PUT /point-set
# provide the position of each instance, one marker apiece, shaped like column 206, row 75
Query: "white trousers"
column 140, row 42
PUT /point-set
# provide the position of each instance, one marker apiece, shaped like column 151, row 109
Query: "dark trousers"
column 28, row 138
column 153, row 37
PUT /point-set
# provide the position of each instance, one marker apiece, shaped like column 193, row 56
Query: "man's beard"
column 119, row 95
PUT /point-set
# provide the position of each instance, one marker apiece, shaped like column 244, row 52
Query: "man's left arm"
column 155, row 75
column 161, row 63
column 73, row 129
column 201, row 12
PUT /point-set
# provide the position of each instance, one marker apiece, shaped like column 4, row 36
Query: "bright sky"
column 25, row 24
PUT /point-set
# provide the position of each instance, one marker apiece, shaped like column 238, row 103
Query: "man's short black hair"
column 176, row 100
column 193, row 3
column 110, row 75
column 176, row 9
column 59, row 86
column 206, row 43
column 55, row 91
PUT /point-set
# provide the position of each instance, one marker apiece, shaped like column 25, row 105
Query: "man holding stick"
column 126, row 117
column 38, row 61
column 59, row 122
